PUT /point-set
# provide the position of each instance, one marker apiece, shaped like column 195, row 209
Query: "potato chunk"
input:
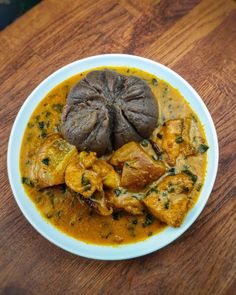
column 125, row 201
column 139, row 169
column 168, row 201
column 82, row 181
column 51, row 160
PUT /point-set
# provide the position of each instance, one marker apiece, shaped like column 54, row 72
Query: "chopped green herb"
column 165, row 91
column 167, row 205
column 116, row 215
column 150, row 234
column 148, row 220
column 27, row 181
column 198, row 187
column 63, row 188
column 47, row 114
column 126, row 164
column 190, row 174
column 164, row 194
column 45, row 161
column 127, row 71
column 202, row 148
column 145, row 142
column 186, row 189
column 159, row 136
column 57, row 107
column 152, row 189
column 43, row 133
column 154, row 82
column 58, row 214
column 171, row 190
column 37, row 118
column 117, row 192
column 171, row 171
column 179, row 139
column 135, row 221
column 41, row 125
column 84, row 180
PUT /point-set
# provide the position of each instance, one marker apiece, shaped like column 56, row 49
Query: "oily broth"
column 60, row 206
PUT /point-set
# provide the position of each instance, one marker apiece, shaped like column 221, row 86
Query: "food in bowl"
column 113, row 155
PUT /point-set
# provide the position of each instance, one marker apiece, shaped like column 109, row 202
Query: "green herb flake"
column 47, row 114
column 116, row 215
column 190, row 174
column 154, row 82
column 63, row 188
column 164, row 194
column 45, row 161
column 85, row 183
column 27, row 181
column 159, row 136
column 134, row 221
column 148, row 220
column 150, row 234
column 41, row 125
column 167, row 205
column 57, row 107
column 199, row 187
column 144, row 143
column 117, row 192
column 58, row 214
column 171, row 171
column 43, row 133
column 202, row 148
column 179, row 139
column 171, row 190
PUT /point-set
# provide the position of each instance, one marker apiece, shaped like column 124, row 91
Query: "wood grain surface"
column 195, row 38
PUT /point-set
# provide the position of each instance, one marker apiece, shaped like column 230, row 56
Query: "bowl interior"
column 108, row 252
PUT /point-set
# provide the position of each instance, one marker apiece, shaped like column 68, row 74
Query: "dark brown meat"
column 105, row 110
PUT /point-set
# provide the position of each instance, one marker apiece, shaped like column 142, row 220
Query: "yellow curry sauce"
column 61, row 207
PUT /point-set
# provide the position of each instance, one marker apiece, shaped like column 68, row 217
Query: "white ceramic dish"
column 70, row 244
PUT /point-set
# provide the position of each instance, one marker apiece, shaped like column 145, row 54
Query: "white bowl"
column 70, row 244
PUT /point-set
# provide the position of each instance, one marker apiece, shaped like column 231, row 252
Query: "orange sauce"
column 60, row 207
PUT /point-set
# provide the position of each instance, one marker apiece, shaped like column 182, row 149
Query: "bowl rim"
column 94, row 251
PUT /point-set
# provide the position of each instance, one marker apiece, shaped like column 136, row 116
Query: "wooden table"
column 195, row 38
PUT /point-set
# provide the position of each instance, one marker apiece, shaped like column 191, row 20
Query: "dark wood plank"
column 198, row 40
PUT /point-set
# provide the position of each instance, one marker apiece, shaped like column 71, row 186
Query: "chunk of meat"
column 87, row 159
column 110, row 177
column 187, row 147
column 82, row 181
column 169, row 200
column 139, row 169
column 126, row 202
column 175, row 139
column 51, row 160
column 171, row 131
